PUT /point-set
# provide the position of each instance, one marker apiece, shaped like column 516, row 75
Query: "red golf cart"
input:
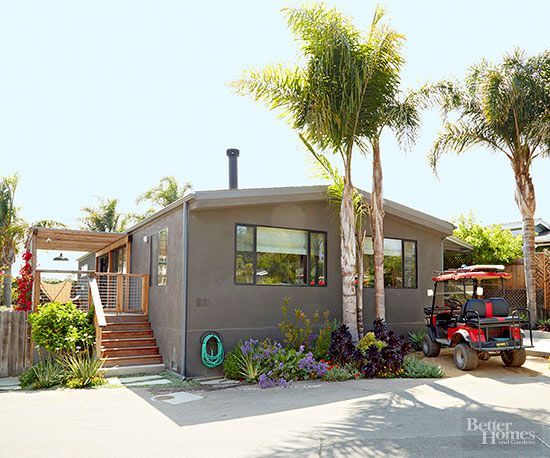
column 476, row 328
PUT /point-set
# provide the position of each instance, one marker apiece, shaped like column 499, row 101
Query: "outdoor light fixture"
column 61, row 257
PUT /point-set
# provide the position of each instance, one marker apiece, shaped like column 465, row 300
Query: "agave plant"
column 82, row 369
column 416, row 338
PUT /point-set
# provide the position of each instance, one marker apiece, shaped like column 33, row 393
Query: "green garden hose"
column 213, row 359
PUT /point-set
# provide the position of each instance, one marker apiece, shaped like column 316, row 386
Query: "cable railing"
column 123, row 293
column 118, row 293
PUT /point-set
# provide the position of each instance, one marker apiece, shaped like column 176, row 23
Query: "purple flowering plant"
column 270, row 364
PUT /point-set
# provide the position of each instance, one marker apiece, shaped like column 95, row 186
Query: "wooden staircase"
column 127, row 340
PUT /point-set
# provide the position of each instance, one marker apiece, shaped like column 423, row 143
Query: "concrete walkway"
column 9, row 383
column 541, row 341
column 355, row 418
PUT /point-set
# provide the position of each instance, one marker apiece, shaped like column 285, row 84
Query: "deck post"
column 119, row 293
column 145, row 294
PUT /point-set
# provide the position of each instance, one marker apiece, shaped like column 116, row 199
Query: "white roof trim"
column 202, row 200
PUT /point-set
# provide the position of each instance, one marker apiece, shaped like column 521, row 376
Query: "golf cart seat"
column 490, row 311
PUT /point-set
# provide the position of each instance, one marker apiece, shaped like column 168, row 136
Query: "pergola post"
column 35, row 273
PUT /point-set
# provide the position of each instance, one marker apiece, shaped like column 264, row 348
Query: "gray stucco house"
column 224, row 260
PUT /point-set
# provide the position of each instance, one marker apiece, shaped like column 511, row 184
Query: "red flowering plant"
column 24, row 284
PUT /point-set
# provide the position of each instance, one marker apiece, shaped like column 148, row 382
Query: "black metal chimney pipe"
column 233, row 154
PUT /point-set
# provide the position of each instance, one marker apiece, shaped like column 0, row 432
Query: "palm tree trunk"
column 347, row 248
column 360, row 279
column 7, row 287
column 525, row 198
column 377, row 223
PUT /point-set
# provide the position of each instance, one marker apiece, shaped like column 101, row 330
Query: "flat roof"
column 207, row 200
column 519, row 224
column 455, row 244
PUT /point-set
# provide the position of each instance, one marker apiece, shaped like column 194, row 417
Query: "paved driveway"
column 356, row 418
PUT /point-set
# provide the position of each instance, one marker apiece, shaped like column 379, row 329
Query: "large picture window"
column 277, row 256
column 399, row 263
column 162, row 270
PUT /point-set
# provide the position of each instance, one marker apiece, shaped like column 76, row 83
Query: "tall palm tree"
column 331, row 101
column 401, row 114
column 12, row 232
column 505, row 107
column 361, row 209
column 104, row 218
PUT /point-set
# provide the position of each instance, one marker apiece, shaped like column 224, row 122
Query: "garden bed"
column 329, row 355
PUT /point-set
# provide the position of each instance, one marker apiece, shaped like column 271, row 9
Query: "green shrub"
column 368, row 340
column 270, row 364
column 296, row 331
column 416, row 338
column 82, row 369
column 341, row 373
column 61, row 327
column 544, row 325
column 45, row 374
column 231, row 363
column 417, row 368
column 322, row 343
column 27, row 378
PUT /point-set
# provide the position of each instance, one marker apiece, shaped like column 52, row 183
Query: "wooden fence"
column 542, row 277
column 14, row 343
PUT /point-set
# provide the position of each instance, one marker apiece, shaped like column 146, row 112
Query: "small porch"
column 124, row 337
column 116, row 290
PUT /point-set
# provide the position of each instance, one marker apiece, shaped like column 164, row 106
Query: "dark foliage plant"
column 386, row 361
column 342, row 351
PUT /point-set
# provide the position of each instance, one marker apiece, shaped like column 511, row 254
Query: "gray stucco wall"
column 87, row 261
column 404, row 307
column 165, row 302
column 237, row 311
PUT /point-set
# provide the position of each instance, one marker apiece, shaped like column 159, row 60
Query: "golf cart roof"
column 479, row 272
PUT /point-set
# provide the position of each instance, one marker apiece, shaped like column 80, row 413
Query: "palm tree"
column 331, row 101
column 401, row 114
column 166, row 192
column 104, row 218
column 12, row 232
column 361, row 210
column 505, row 107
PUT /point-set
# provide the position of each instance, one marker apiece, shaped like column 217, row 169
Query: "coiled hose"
column 212, row 359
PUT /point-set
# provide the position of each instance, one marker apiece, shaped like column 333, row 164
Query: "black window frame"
column 402, row 263
column 255, row 255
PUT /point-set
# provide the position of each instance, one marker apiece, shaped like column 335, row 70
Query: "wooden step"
column 127, row 326
column 133, row 318
column 129, row 351
column 138, row 342
column 132, row 334
column 132, row 360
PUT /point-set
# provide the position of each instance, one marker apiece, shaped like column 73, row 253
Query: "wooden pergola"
column 42, row 238
column 64, row 240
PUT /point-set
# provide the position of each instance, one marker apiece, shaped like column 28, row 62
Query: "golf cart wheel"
column 430, row 348
column 513, row 358
column 466, row 358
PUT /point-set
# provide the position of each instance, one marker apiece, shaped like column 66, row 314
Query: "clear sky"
column 104, row 98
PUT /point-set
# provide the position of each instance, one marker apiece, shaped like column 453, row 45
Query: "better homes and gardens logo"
column 497, row 430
